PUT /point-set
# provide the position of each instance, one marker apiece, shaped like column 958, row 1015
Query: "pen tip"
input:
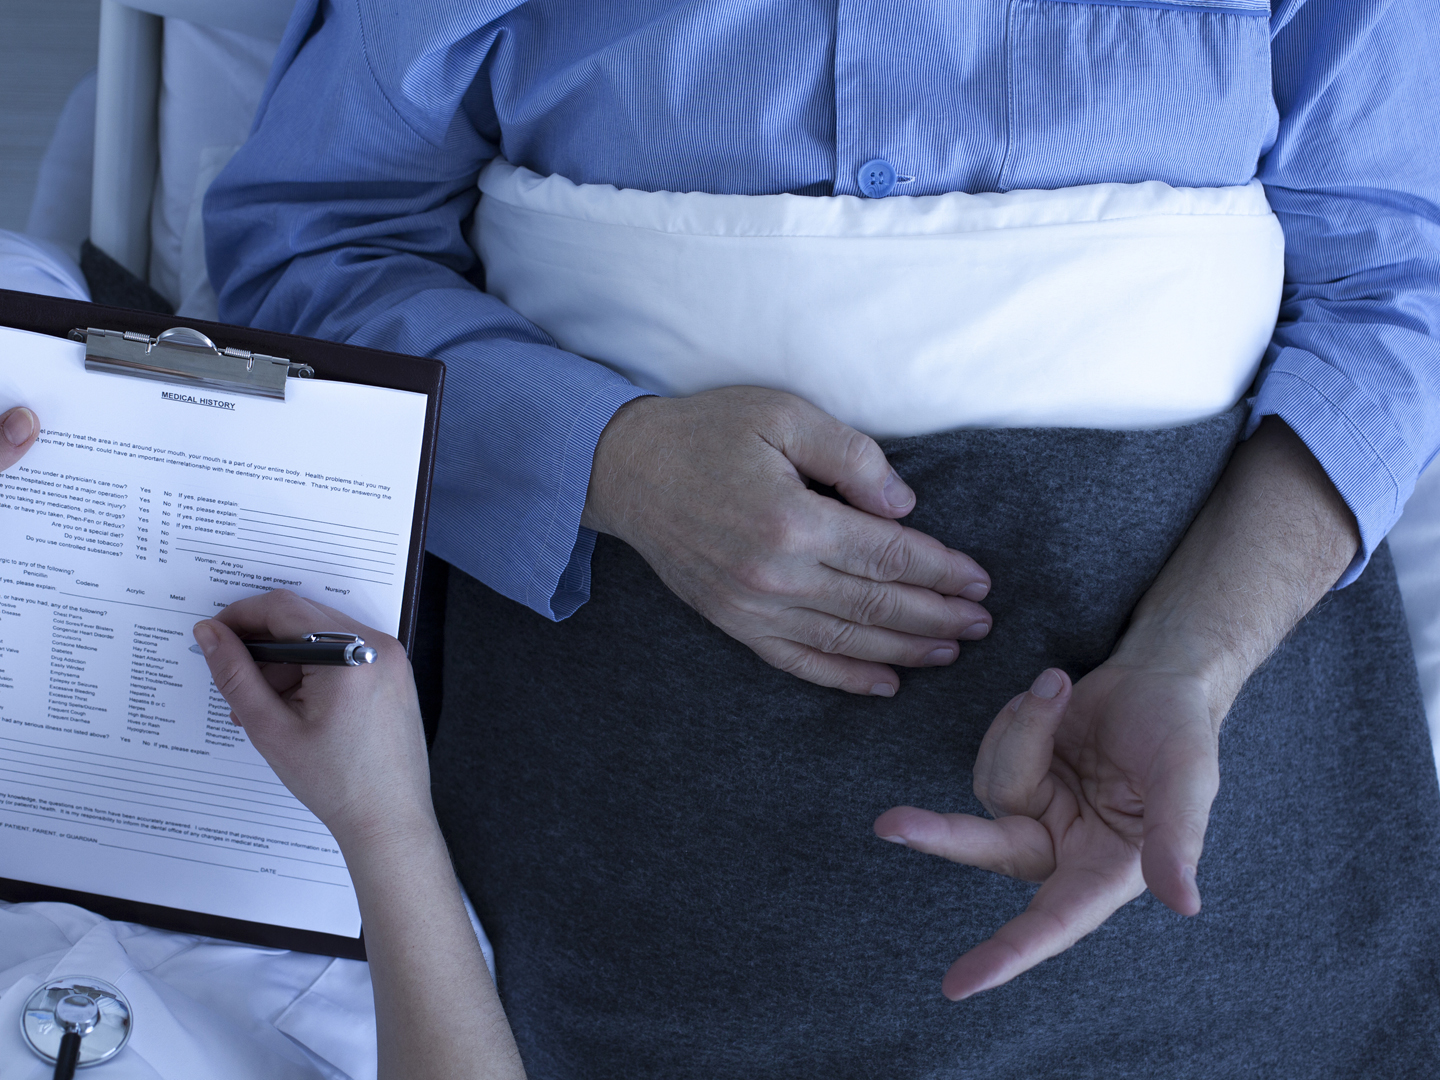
column 197, row 650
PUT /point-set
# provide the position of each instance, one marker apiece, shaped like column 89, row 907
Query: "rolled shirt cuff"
column 563, row 593
column 520, row 537
column 1351, row 434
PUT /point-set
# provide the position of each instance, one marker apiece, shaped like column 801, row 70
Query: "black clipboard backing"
column 345, row 363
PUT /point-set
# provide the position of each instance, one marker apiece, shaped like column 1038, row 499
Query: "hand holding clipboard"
column 18, row 429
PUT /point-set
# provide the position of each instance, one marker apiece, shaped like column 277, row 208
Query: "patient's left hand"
column 1103, row 789
column 18, row 429
column 1097, row 790
column 347, row 741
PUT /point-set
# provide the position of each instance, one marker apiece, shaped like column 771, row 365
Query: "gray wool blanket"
column 670, row 842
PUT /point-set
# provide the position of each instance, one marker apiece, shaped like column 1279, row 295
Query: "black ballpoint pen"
column 340, row 650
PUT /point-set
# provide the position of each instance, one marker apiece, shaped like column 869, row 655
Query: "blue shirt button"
column 877, row 178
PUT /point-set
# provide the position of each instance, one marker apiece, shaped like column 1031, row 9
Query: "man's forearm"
column 1272, row 539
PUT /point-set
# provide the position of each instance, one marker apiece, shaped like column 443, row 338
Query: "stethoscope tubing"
column 68, row 1056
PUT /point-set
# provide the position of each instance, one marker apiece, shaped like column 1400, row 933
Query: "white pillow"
column 211, row 81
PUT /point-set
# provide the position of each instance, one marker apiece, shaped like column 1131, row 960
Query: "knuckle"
column 1192, row 822
column 998, row 795
column 781, row 528
column 788, row 407
column 283, row 600
column 875, row 606
column 776, row 411
column 801, row 663
column 228, row 678
column 761, row 577
column 837, row 636
column 1008, row 802
column 859, row 453
column 891, row 560
column 795, row 663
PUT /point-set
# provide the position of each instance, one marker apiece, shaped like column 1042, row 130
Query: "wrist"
column 606, row 504
column 1270, row 541
column 1184, row 642
column 376, row 834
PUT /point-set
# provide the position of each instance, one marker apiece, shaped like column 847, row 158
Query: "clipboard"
column 195, row 356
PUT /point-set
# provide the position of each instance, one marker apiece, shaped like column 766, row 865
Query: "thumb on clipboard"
column 18, row 428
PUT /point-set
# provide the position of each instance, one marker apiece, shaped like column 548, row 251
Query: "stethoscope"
column 76, row 1022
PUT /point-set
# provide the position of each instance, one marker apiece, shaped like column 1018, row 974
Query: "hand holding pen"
column 350, row 745
column 329, row 647
column 346, row 740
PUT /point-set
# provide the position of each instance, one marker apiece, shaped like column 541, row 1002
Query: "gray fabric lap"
column 671, row 843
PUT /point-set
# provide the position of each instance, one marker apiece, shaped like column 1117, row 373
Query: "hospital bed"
column 176, row 87
column 134, row 50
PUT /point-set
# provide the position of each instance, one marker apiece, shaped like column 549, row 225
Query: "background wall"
column 45, row 47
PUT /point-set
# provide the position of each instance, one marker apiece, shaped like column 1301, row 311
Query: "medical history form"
column 143, row 507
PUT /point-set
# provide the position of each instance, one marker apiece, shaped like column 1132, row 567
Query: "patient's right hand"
column 347, row 741
column 711, row 490
column 18, row 429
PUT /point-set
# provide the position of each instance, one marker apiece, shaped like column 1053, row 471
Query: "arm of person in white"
column 349, row 743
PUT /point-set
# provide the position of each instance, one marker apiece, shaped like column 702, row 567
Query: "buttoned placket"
column 921, row 93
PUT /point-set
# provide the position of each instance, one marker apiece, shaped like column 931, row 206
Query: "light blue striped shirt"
column 343, row 216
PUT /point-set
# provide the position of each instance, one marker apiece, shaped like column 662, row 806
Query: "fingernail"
column 206, row 637
column 1188, row 873
column 940, row 656
column 1048, row 684
column 897, row 492
column 976, row 590
column 19, row 426
column 897, row 840
column 883, row 689
column 975, row 631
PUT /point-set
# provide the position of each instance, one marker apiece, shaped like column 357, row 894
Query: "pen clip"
column 349, row 639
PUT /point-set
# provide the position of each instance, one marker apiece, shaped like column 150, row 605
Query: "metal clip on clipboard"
column 188, row 357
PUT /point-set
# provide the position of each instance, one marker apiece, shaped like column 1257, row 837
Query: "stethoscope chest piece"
column 91, row 1009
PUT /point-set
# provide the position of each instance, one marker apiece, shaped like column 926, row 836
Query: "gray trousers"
column 670, row 842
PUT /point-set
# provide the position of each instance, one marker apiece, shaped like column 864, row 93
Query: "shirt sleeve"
column 1354, row 177
column 342, row 218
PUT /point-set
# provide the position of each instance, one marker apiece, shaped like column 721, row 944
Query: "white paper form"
column 142, row 508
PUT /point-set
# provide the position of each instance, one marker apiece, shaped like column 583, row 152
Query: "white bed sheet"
column 1415, row 544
